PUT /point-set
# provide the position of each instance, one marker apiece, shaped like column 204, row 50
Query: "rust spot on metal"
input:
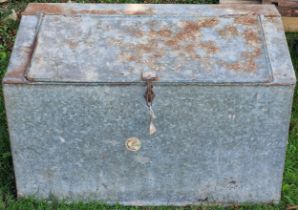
column 131, row 58
column 250, row 57
column 171, row 43
column 64, row 9
column 17, row 72
column 208, row 22
column 247, row 62
column 134, row 31
column 127, row 56
column 251, row 65
column 157, row 55
column 210, row 47
column 146, row 48
column 150, row 52
column 96, row 12
column 234, row 66
column 250, row 9
column 15, row 75
column 245, row 20
column 36, row 8
column 190, row 50
column 43, row 8
column 253, row 54
column 272, row 19
column 188, row 32
column 163, row 32
column 228, row 32
column 191, row 28
column 251, row 37
column 72, row 44
column 148, row 11
column 58, row 10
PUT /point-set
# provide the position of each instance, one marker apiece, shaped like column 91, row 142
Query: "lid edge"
column 148, row 9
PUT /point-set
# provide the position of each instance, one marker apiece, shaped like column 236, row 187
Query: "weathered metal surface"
column 215, row 144
column 148, row 9
column 180, row 49
column 23, row 50
column 80, row 132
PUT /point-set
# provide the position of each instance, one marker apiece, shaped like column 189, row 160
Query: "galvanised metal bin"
column 149, row 104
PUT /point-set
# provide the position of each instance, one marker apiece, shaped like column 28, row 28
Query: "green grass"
column 290, row 182
column 7, row 187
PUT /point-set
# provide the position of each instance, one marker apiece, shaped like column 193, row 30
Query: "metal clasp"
column 149, row 96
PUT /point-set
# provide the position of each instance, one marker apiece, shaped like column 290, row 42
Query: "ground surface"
column 8, row 28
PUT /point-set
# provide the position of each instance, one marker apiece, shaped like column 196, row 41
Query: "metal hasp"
column 78, row 119
column 149, row 77
column 149, row 95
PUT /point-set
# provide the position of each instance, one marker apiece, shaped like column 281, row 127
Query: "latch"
column 149, row 96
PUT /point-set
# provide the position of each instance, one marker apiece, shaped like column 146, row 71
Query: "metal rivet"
column 133, row 144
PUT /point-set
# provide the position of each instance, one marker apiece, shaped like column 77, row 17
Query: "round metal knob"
column 133, row 144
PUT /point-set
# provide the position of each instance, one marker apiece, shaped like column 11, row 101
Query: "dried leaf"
column 13, row 16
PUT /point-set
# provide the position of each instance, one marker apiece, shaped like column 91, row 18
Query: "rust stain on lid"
column 251, row 9
column 245, row 20
column 228, row 32
column 153, row 49
column 136, row 11
column 95, row 12
column 15, row 75
column 148, row 9
column 34, row 8
column 251, row 37
column 58, row 9
column 184, row 48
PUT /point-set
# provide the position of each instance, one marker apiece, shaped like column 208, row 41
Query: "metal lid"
column 118, row 47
